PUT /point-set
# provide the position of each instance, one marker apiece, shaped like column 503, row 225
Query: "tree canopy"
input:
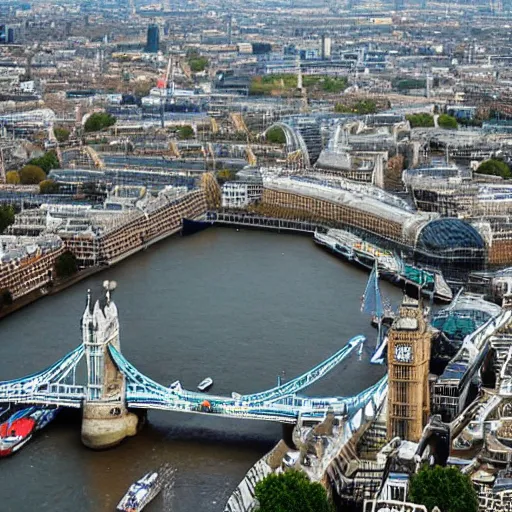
column 47, row 162
column 291, row 492
column 186, row 132
column 12, row 178
column 448, row 122
column 98, row 121
column 62, row 134
column 6, row 217
column 276, row 135
column 196, row 61
column 445, row 488
column 48, row 187
column 31, row 175
column 421, row 120
column 495, row 167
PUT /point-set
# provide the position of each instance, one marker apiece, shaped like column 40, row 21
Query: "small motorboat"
column 140, row 493
column 20, row 427
column 205, row 384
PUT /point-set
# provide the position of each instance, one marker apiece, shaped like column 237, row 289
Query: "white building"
column 236, row 194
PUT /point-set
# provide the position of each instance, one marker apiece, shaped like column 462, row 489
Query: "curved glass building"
column 450, row 239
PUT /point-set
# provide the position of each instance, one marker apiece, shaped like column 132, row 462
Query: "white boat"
column 205, row 384
column 140, row 493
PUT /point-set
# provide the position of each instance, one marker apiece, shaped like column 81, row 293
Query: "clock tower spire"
column 409, row 341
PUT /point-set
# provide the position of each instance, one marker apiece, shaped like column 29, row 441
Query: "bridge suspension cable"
column 306, row 379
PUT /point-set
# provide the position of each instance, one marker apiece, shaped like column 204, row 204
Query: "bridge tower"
column 105, row 419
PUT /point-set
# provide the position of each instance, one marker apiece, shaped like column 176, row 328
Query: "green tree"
column 291, row 492
column 47, row 162
column 186, row 132
column 31, row 175
column 276, row 135
column 447, row 122
column 98, row 121
column 495, row 167
column 445, row 488
column 12, row 178
column 66, row 264
column 334, row 85
column 198, row 64
column 6, row 217
column 421, row 120
column 48, row 187
column 62, row 134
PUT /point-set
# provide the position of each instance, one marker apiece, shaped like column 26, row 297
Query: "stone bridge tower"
column 105, row 420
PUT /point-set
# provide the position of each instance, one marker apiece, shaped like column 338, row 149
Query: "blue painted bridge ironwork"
column 58, row 386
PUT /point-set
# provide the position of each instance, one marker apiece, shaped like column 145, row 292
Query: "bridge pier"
column 106, row 424
column 106, row 420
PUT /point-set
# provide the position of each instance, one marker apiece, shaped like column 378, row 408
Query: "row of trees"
column 442, row 487
column 425, row 120
column 34, row 173
column 421, row 120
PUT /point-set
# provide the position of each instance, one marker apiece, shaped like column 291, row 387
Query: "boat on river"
column 140, row 493
column 205, row 384
column 391, row 267
column 19, row 427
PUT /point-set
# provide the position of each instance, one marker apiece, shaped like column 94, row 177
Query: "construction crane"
column 163, row 85
column 163, row 82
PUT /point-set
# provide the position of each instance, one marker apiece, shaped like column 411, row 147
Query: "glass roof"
column 448, row 234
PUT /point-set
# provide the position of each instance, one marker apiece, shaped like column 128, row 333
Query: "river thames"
column 239, row 306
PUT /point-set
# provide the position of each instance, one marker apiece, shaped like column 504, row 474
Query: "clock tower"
column 409, row 341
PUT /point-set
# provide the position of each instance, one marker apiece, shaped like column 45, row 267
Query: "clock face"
column 403, row 353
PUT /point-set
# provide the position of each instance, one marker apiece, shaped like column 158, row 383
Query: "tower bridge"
column 115, row 390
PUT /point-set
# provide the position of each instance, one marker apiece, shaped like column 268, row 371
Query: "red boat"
column 20, row 426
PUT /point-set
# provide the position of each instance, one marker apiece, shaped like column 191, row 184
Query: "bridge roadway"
column 57, row 386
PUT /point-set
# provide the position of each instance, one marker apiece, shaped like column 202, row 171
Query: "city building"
column 153, row 39
column 236, row 194
column 326, row 47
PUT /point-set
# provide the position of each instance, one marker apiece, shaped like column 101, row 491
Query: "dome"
column 450, row 236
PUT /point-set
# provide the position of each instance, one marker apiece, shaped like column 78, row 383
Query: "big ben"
column 409, row 341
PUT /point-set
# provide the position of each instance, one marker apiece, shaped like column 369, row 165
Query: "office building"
column 153, row 39
column 326, row 47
